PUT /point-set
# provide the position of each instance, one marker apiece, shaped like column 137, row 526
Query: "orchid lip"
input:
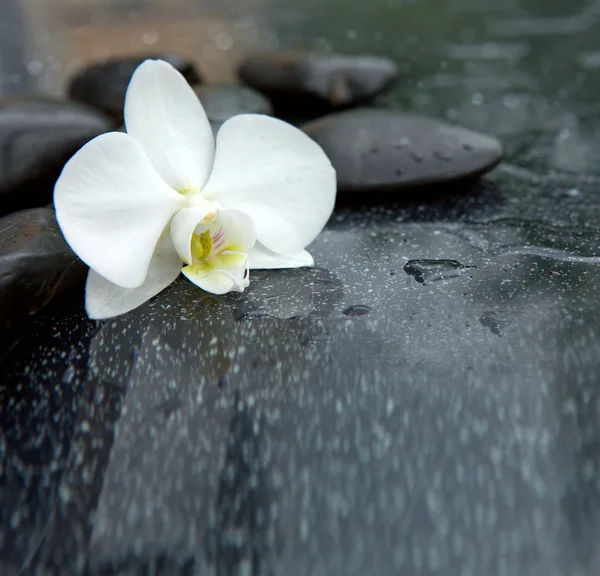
column 218, row 240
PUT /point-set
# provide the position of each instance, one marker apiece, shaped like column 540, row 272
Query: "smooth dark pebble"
column 303, row 86
column 37, row 267
column 104, row 84
column 383, row 150
column 223, row 101
column 37, row 137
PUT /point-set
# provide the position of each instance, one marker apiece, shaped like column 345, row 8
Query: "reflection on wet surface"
column 424, row 401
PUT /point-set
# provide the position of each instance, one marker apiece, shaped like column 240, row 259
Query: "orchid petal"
column 165, row 116
column 277, row 175
column 183, row 225
column 103, row 299
column 238, row 230
column 260, row 258
column 228, row 272
column 112, row 207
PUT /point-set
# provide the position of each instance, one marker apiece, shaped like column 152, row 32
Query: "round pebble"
column 37, row 138
column 223, row 101
column 301, row 85
column 104, row 84
column 374, row 149
column 37, row 266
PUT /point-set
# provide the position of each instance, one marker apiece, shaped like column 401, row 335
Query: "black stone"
column 381, row 150
column 183, row 438
column 37, row 138
column 37, row 267
column 221, row 102
column 300, row 85
column 104, row 84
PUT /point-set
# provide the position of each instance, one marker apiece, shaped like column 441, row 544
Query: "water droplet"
column 357, row 310
column 426, row 271
column 564, row 134
column 442, row 155
column 35, row 67
column 150, row 38
column 477, row 99
column 511, row 101
column 402, row 143
column 247, row 310
column 416, row 157
column 490, row 321
column 224, row 41
column 69, row 375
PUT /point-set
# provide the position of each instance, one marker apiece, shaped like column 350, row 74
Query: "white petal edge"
column 164, row 115
column 277, row 175
column 112, row 207
column 103, row 299
column 183, row 225
column 262, row 259
column 219, row 281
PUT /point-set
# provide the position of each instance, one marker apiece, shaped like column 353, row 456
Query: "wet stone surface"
column 37, row 268
column 104, row 84
column 423, row 402
column 376, row 151
column 37, row 138
column 339, row 420
column 303, row 85
column 223, row 101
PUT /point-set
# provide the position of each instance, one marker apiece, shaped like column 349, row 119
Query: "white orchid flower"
column 134, row 206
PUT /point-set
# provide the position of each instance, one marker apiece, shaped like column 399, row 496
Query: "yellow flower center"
column 202, row 245
column 213, row 252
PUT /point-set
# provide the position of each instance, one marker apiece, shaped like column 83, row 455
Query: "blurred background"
column 524, row 70
column 44, row 42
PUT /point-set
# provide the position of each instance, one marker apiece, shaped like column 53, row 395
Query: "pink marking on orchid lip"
column 218, row 239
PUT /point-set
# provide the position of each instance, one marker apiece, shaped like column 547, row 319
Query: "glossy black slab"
column 424, row 401
column 451, row 428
